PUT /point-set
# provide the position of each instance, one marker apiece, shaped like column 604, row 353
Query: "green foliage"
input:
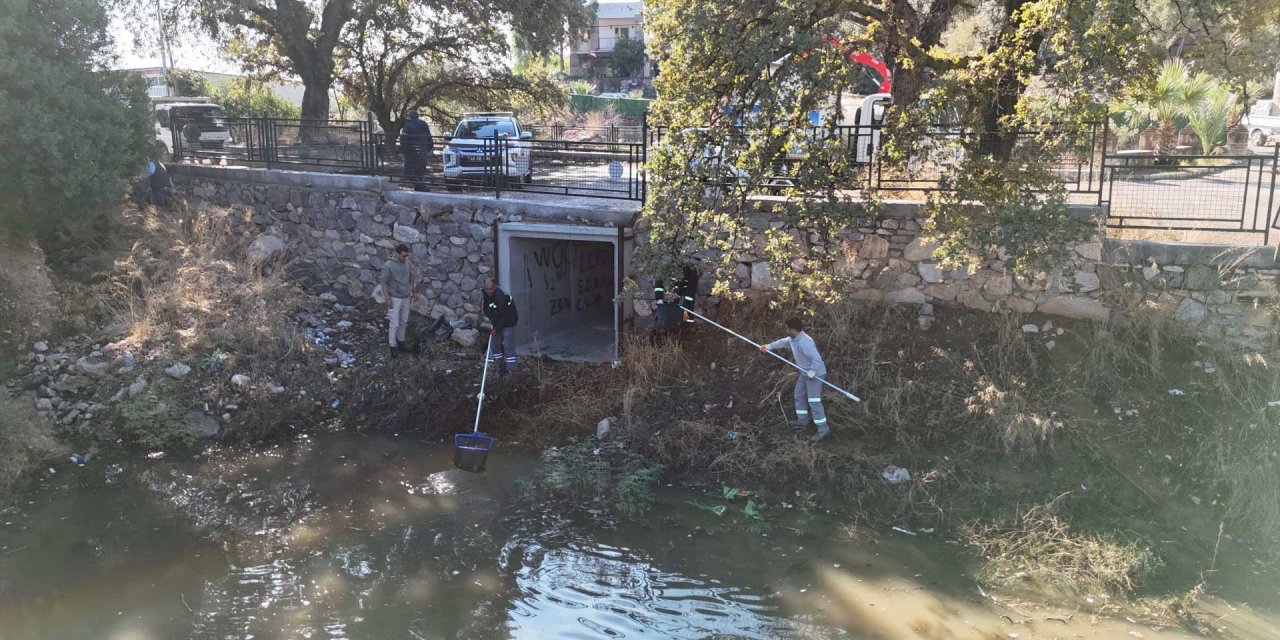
column 396, row 57
column 214, row 362
column 71, row 133
column 1210, row 118
column 155, row 421
column 591, row 476
column 581, row 88
column 627, row 57
column 248, row 99
column 768, row 65
column 189, row 83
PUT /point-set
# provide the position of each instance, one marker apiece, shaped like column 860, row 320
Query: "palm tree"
column 1176, row 93
column 1209, row 119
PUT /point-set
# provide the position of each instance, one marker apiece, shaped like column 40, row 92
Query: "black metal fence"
column 565, row 167
column 331, row 145
column 1213, row 194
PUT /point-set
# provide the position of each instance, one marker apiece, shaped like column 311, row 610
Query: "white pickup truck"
column 203, row 126
column 1262, row 122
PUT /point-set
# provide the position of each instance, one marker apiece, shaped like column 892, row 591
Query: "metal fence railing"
column 1229, row 194
column 923, row 159
column 581, row 168
column 333, row 145
column 1222, row 194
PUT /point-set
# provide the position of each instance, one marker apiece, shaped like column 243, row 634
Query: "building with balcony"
column 589, row 59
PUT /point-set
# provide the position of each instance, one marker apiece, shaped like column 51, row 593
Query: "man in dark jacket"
column 416, row 145
column 155, row 187
column 502, row 314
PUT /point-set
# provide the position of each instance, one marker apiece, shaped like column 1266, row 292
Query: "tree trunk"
column 315, row 96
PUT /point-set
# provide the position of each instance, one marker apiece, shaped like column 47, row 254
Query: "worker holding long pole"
column 808, row 391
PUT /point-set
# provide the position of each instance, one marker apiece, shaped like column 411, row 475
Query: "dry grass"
column 1039, row 551
column 1007, row 410
column 188, row 292
column 1243, row 439
column 26, row 442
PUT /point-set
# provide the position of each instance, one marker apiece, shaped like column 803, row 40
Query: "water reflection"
column 349, row 536
column 586, row 589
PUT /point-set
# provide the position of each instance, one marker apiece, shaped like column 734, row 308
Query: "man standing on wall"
column 398, row 285
column 502, row 314
column 416, row 145
column 808, row 392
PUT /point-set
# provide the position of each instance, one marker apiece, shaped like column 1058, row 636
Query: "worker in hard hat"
column 808, row 390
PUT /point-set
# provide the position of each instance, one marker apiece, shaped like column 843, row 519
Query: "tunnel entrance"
column 564, row 280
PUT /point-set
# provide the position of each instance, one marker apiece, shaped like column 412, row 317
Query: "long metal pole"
column 484, row 376
column 757, row 345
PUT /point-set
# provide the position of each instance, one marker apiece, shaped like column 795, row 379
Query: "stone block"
column 406, row 234
column 973, row 299
column 929, row 272
column 1090, row 251
column 999, row 285
column 873, row 248
column 1021, row 305
column 761, row 278
column 1075, row 307
column 943, row 292
column 1189, row 310
column 1202, row 277
column 909, row 295
column 918, row 250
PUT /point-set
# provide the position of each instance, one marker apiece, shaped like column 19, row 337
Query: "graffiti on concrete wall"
column 594, row 282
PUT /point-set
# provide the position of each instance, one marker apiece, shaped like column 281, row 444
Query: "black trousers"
column 415, row 170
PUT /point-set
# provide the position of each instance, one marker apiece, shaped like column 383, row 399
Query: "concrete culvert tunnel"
column 564, row 280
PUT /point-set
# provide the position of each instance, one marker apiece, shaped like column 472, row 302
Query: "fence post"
column 644, row 157
column 1271, row 195
column 1102, row 161
column 269, row 142
column 371, row 146
column 175, row 137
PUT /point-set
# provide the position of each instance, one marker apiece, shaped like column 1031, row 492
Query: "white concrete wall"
column 560, row 285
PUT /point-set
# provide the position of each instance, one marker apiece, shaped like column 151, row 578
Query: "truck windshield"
column 485, row 129
column 211, row 114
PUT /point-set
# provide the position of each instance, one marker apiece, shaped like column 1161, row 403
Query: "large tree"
column 303, row 37
column 438, row 57
column 71, row 132
column 759, row 69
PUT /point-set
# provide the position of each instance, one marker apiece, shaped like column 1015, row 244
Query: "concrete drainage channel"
column 565, row 280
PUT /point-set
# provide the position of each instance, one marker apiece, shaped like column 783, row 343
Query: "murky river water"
column 350, row 536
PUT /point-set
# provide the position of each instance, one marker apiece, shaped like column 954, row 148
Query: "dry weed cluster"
column 1040, row 550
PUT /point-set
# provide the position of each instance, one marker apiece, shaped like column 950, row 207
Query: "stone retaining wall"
column 1224, row 291
column 342, row 228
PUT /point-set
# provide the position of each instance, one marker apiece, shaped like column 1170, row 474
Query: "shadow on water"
column 354, row 536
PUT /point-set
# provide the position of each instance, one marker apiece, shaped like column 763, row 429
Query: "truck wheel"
column 1258, row 137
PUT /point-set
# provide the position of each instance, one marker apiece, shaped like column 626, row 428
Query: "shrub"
column 26, row 441
column 73, row 134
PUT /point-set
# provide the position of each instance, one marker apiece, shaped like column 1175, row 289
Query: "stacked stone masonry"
column 340, row 231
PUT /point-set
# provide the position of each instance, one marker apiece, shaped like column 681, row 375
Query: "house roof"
column 619, row 10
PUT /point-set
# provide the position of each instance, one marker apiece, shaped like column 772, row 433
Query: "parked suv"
column 468, row 154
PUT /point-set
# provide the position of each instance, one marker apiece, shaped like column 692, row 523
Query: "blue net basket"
column 471, row 451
